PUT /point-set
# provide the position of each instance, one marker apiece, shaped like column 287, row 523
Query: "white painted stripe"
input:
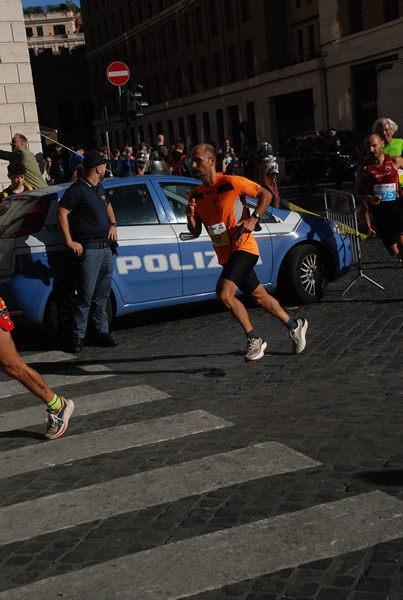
column 214, row 560
column 103, row 441
column 70, row 376
column 53, row 356
column 84, row 405
column 117, row 73
column 125, row 494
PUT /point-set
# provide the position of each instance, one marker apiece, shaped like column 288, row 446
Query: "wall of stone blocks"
column 18, row 113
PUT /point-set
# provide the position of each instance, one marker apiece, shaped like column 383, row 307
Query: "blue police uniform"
column 89, row 224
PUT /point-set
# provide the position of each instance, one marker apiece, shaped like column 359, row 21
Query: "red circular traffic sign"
column 118, row 73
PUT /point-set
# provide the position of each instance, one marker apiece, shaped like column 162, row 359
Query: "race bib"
column 386, row 190
column 218, row 234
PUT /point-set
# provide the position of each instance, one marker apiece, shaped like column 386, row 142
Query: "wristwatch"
column 113, row 224
column 256, row 215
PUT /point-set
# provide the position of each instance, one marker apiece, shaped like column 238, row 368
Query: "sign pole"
column 118, row 73
column 107, row 139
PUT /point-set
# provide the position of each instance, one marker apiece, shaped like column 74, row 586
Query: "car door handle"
column 186, row 236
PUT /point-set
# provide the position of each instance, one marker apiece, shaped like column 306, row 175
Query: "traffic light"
column 134, row 103
column 140, row 104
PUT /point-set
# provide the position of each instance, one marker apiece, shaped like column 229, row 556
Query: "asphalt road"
column 188, row 473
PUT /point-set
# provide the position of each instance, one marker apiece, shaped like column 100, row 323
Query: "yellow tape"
column 345, row 228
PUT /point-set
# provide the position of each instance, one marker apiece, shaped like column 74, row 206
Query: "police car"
column 158, row 262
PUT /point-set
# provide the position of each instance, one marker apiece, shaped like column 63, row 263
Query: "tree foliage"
column 63, row 7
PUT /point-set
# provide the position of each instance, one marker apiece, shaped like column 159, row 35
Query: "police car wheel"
column 303, row 278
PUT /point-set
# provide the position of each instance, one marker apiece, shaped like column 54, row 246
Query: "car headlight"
column 336, row 227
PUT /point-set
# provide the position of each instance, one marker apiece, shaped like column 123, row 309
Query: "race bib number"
column 386, row 190
column 218, row 234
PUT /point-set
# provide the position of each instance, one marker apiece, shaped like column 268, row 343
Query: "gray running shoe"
column 298, row 336
column 58, row 420
column 255, row 349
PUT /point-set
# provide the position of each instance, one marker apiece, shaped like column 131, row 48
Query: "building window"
column 153, row 46
column 390, row 10
column 232, row 64
column 245, row 10
column 39, row 31
column 248, row 56
column 220, row 125
column 355, row 14
column 311, row 41
column 212, row 11
column 206, row 127
column 168, row 86
column 174, row 31
column 59, row 29
column 217, row 68
column 200, row 26
column 28, row 31
column 191, row 78
column 229, row 14
column 178, row 78
column 300, row 45
column 186, row 30
column 203, row 72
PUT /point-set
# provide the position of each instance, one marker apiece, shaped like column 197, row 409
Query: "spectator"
column 159, row 150
column 76, row 162
column 180, row 163
column 47, row 165
column 126, row 166
column 386, row 128
column 141, row 163
column 229, row 157
column 58, row 170
column 16, row 174
column 20, row 154
column 268, row 172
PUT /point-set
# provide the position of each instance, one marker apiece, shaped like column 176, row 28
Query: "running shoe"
column 255, row 349
column 58, row 420
column 298, row 336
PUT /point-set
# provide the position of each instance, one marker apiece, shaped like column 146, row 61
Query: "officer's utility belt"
column 95, row 244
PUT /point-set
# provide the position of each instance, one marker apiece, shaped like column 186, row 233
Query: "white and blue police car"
column 158, row 262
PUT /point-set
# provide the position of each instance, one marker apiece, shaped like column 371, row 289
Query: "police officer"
column 88, row 223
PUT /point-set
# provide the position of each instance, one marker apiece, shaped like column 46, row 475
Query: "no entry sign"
column 118, row 73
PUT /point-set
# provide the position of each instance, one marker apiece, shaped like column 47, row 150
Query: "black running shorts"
column 240, row 270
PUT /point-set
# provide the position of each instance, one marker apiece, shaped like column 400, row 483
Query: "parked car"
column 158, row 262
column 312, row 156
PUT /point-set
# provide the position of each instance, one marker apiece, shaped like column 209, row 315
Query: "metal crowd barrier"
column 340, row 207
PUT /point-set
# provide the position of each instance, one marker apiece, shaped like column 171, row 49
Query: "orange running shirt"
column 220, row 209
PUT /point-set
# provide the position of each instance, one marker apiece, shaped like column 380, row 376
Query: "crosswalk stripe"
column 84, row 405
column 229, row 556
column 71, row 376
column 149, row 488
column 113, row 439
column 53, row 356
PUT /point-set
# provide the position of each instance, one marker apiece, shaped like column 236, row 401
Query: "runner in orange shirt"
column 218, row 205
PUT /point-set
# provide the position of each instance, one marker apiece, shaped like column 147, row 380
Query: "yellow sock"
column 54, row 404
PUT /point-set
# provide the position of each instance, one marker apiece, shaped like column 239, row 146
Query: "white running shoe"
column 255, row 349
column 298, row 336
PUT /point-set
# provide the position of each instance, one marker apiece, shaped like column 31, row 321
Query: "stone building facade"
column 18, row 112
column 207, row 66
